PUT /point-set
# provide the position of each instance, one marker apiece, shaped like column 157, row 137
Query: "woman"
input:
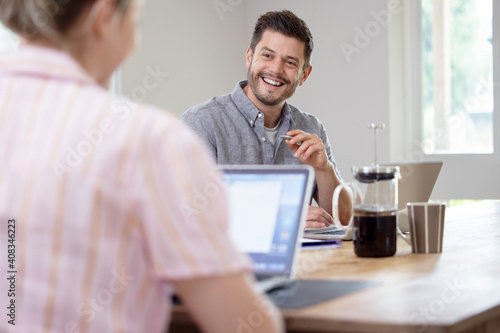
column 101, row 193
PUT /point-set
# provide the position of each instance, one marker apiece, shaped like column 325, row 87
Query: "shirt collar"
column 29, row 60
column 248, row 109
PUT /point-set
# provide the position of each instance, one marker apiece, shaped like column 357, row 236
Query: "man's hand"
column 318, row 218
column 311, row 150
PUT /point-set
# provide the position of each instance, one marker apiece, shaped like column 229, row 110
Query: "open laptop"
column 417, row 181
column 267, row 210
column 328, row 233
column 415, row 185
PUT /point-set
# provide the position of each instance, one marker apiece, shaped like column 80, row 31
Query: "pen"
column 288, row 137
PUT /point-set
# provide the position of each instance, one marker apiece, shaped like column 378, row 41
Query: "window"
column 445, row 93
column 457, row 76
column 8, row 40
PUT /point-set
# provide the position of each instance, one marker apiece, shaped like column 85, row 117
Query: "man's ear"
column 102, row 14
column 248, row 57
column 305, row 74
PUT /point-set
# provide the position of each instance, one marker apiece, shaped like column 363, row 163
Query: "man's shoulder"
column 215, row 105
column 300, row 116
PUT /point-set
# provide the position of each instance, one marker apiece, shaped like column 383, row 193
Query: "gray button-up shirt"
column 233, row 129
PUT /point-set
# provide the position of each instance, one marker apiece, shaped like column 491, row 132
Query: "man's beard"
column 268, row 99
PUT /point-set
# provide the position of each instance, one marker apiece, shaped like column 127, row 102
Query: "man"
column 247, row 126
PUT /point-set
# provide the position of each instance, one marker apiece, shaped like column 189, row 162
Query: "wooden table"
column 455, row 291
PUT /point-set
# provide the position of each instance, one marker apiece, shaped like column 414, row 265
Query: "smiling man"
column 247, row 125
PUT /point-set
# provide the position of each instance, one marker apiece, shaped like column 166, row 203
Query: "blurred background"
column 427, row 69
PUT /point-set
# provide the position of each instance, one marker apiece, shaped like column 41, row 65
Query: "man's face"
column 276, row 68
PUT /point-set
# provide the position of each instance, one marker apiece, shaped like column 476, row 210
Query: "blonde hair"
column 50, row 19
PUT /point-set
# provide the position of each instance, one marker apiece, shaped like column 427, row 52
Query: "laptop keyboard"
column 266, row 283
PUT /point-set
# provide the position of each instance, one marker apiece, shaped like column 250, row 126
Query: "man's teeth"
column 274, row 83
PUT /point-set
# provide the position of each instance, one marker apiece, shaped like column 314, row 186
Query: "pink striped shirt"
column 112, row 201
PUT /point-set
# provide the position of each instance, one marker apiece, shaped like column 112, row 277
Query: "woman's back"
column 107, row 204
column 79, row 175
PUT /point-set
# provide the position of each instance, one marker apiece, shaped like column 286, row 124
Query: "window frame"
column 405, row 112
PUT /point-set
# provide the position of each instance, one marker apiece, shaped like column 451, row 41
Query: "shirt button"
column 260, row 115
column 251, row 122
column 264, row 139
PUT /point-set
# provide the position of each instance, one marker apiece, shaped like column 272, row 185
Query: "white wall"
column 202, row 48
column 203, row 51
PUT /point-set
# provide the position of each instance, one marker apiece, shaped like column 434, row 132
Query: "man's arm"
column 312, row 151
column 329, row 181
column 228, row 304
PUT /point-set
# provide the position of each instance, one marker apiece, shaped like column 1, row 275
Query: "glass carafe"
column 374, row 193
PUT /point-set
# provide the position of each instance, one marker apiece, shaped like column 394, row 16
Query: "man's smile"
column 272, row 82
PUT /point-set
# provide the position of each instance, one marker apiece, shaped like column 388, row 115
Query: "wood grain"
column 454, row 291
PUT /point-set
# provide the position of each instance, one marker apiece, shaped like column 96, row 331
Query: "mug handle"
column 335, row 206
column 406, row 238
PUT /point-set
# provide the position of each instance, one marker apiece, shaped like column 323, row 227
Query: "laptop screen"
column 417, row 181
column 266, row 211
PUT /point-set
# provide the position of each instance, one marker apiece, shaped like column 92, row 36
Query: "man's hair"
column 44, row 18
column 287, row 23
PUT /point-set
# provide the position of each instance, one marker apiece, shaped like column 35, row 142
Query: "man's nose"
column 277, row 66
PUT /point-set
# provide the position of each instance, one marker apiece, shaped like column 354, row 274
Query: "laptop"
column 417, row 181
column 267, row 211
column 328, row 233
column 415, row 185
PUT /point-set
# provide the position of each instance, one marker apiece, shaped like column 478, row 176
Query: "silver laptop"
column 268, row 207
column 417, row 181
column 415, row 185
column 328, row 233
